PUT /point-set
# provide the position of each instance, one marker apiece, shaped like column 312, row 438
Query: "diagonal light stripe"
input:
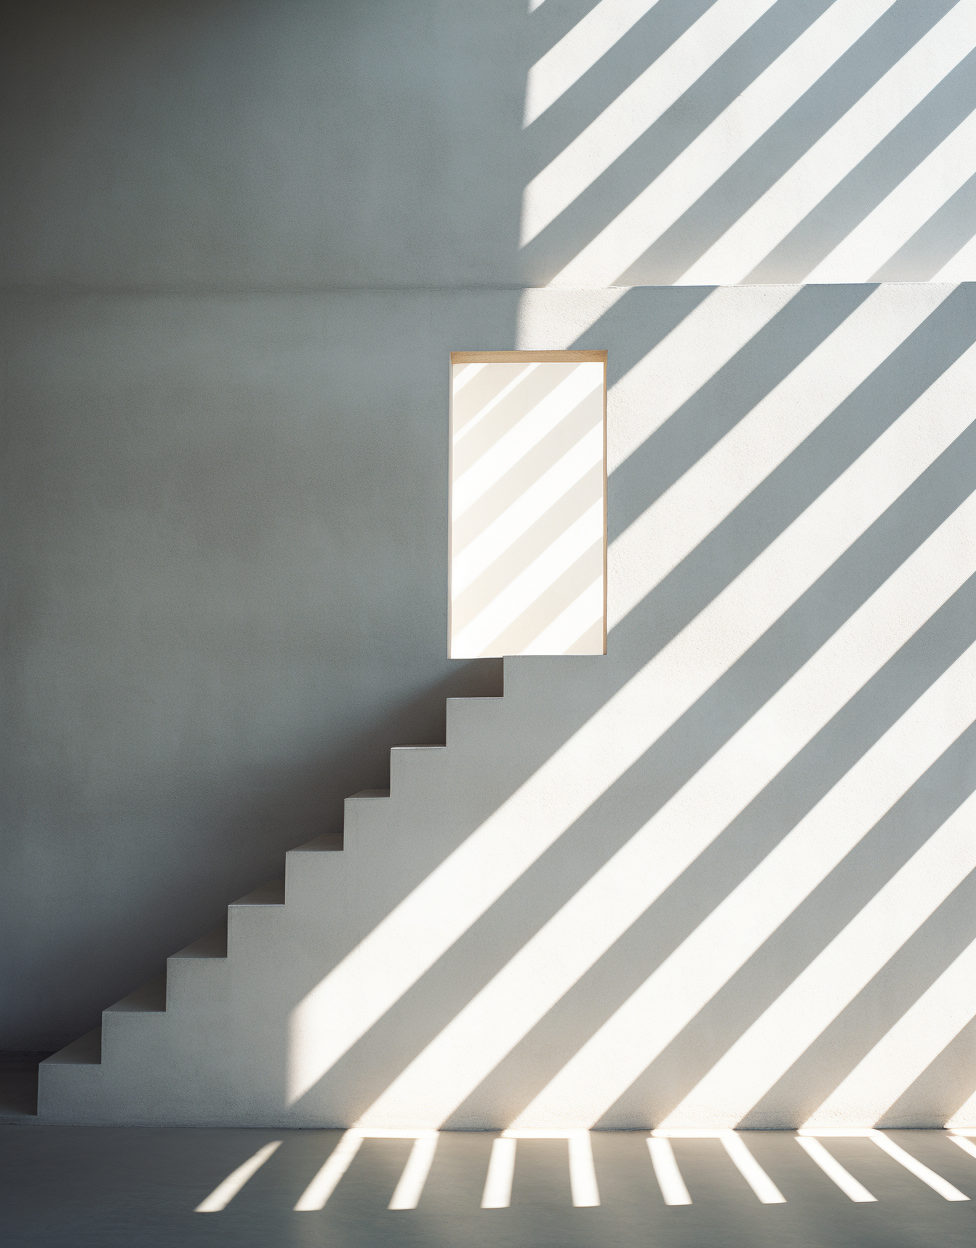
column 579, row 50
column 720, row 145
column 571, row 623
column 411, row 1184
column 635, row 110
column 750, row 1169
column 962, row 266
column 834, row 1170
column 667, row 1001
column 666, row 1172
column 764, row 1053
column 225, row 1192
column 481, row 552
column 914, row 1166
column 511, row 1003
column 913, row 1043
column 887, row 1145
column 507, row 605
column 917, row 197
column 333, row 1016
column 464, row 374
column 583, row 381
column 325, row 1182
column 686, row 513
column 836, row 153
column 679, row 365
column 473, row 419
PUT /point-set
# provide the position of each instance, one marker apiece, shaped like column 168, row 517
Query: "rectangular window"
column 528, row 490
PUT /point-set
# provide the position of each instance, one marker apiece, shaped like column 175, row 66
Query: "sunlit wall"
column 721, row 874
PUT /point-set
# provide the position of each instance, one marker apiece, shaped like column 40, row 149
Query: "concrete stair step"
column 415, row 768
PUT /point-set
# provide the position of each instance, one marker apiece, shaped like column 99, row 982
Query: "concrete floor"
column 106, row 1186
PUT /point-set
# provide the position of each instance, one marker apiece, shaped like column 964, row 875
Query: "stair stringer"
column 342, row 1002
column 208, row 1042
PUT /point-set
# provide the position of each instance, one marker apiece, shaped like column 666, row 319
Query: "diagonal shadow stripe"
column 528, row 394
column 527, row 905
column 875, row 1009
column 944, row 234
column 946, row 1084
column 725, row 399
column 665, row 139
column 530, row 544
column 943, row 1009
column 803, row 476
column 525, row 472
column 905, row 210
column 481, row 390
column 597, row 87
column 732, row 857
column 589, row 641
column 917, row 366
column 726, row 1017
column 548, row 23
column 876, row 176
column 793, row 134
column 656, row 319
column 544, row 609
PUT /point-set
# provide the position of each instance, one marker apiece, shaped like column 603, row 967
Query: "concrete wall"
column 294, row 145
column 225, row 412
column 723, row 875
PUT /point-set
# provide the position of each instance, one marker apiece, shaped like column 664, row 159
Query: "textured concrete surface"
column 224, row 439
column 436, row 143
column 102, row 1187
column 721, row 875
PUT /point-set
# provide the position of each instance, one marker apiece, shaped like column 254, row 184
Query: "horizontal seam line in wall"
column 40, row 291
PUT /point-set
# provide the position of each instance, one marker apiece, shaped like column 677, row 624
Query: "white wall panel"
column 528, row 506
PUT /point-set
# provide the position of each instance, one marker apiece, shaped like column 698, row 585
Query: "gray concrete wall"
column 224, row 421
column 280, row 144
column 225, row 573
column 722, row 875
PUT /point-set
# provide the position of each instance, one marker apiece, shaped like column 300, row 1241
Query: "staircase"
column 723, row 876
column 214, row 1040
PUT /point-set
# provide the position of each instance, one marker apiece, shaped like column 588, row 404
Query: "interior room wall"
column 237, row 242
